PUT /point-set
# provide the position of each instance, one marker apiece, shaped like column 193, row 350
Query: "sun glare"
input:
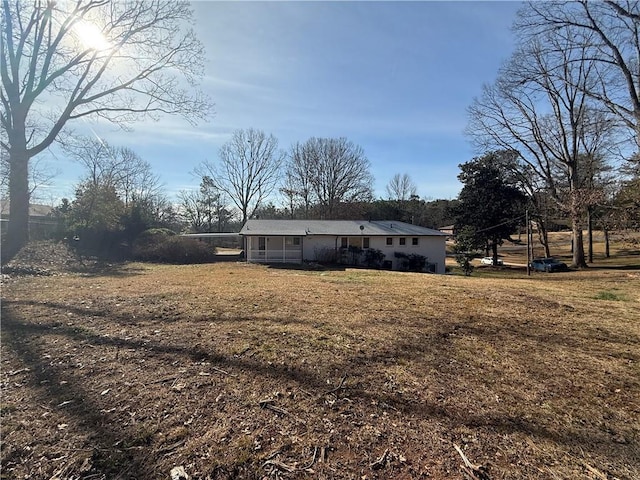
column 90, row 36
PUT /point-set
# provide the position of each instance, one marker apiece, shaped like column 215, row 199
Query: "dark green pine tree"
column 489, row 204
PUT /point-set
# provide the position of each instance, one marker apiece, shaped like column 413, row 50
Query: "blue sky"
column 394, row 77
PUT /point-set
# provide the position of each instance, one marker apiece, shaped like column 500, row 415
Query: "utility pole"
column 528, row 242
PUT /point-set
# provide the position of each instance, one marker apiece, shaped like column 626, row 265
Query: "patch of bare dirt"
column 229, row 371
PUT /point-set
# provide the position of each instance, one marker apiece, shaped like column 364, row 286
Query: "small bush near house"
column 154, row 235
column 411, row 262
column 326, row 256
column 373, row 258
column 464, row 260
column 355, row 253
column 166, row 247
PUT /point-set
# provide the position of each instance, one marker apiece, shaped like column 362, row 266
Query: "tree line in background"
column 119, row 197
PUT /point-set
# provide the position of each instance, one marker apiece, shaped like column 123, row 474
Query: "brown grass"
column 239, row 371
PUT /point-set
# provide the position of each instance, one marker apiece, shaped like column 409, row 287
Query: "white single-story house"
column 297, row 241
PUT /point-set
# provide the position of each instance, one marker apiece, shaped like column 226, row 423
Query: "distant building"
column 448, row 231
column 42, row 224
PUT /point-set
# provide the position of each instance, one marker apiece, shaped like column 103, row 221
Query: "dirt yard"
column 238, row 371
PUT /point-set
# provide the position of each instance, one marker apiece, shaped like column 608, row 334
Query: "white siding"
column 431, row 247
column 316, row 247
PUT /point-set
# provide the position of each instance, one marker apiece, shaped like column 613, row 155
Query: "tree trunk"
column 494, row 251
column 18, row 227
column 576, row 211
column 578, row 245
column 543, row 236
column 606, row 241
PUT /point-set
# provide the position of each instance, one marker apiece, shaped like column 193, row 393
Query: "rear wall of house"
column 431, row 247
column 321, row 248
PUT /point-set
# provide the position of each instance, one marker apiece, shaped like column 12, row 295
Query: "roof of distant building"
column 35, row 209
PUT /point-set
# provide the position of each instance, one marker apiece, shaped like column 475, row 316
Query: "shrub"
column 165, row 248
column 411, row 262
column 103, row 244
column 464, row 260
column 466, row 244
column 326, row 256
column 355, row 253
column 373, row 258
column 153, row 235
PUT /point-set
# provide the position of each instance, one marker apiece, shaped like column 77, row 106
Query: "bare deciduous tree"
column 298, row 186
column 119, row 167
column 205, row 209
column 121, row 185
column 60, row 61
column 607, row 34
column 401, row 188
column 329, row 172
column 248, row 170
column 539, row 107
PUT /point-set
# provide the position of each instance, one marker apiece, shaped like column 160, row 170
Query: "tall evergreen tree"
column 491, row 206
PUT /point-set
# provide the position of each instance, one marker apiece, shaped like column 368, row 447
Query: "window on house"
column 344, row 242
column 262, row 243
column 414, row 241
column 292, row 241
column 389, row 240
column 403, row 241
column 365, row 242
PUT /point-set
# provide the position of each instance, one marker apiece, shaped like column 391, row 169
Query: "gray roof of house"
column 335, row 227
column 35, row 209
column 210, row 235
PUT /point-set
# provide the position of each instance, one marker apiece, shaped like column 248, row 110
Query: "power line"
column 502, row 223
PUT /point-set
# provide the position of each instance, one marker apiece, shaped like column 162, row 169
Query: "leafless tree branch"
column 248, row 170
column 60, row 61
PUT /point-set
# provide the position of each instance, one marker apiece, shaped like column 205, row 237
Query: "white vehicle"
column 489, row 261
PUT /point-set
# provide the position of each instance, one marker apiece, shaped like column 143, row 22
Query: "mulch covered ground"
column 237, row 371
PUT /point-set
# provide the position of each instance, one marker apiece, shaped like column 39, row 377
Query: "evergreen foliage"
column 490, row 206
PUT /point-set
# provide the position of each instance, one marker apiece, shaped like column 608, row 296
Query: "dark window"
column 389, row 240
column 414, row 241
column 365, row 242
column 344, row 242
column 262, row 243
column 292, row 241
column 403, row 241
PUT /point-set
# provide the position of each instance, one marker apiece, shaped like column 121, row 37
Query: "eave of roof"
column 335, row 227
column 210, row 235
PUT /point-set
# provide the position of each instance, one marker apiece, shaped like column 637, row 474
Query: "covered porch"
column 273, row 249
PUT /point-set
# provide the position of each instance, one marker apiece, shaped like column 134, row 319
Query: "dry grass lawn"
column 239, row 371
